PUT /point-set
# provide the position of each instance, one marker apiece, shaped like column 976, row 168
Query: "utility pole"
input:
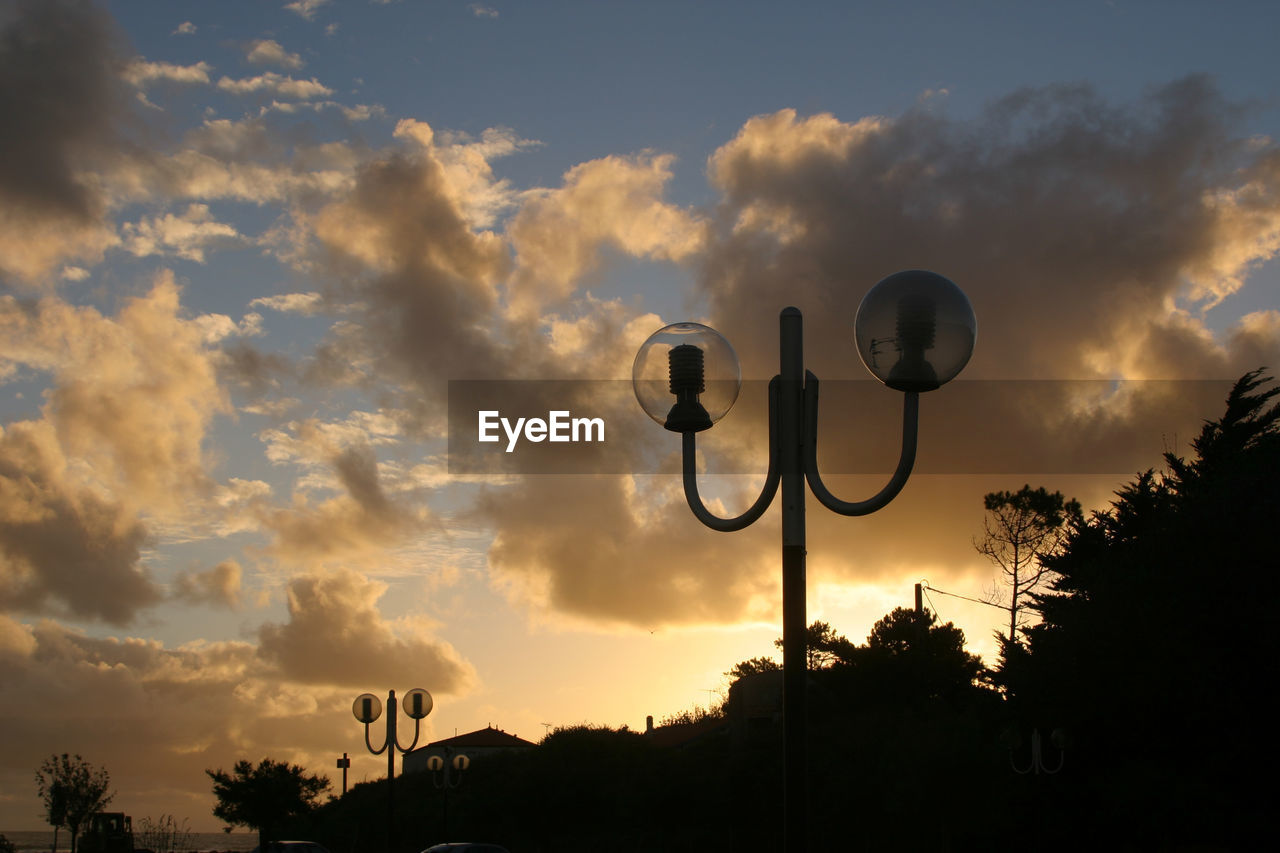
column 343, row 764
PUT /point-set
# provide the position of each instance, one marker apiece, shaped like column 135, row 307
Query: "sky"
column 246, row 247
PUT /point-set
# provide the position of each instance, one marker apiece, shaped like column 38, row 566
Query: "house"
column 477, row 744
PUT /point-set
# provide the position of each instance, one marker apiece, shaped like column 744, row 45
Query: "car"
column 465, row 847
column 293, row 847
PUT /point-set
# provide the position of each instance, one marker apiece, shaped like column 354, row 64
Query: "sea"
column 41, row 841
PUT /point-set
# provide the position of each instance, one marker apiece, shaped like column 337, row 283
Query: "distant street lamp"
column 915, row 331
column 446, row 774
column 1037, row 764
column 367, row 709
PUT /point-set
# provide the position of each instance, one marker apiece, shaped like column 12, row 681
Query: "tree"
column 823, row 646
column 753, row 666
column 262, row 797
column 1152, row 651
column 909, row 648
column 72, row 789
column 1020, row 530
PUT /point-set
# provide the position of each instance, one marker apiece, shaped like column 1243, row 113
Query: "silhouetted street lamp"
column 367, row 709
column 446, row 774
column 1037, row 764
column 915, row 331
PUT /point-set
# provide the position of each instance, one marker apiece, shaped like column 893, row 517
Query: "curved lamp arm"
column 910, row 420
column 690, row 453
column 416, row 731
column 379, row 750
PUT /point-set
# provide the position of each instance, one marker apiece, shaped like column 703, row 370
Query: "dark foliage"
column 265, row 796
column 1151, row 654
column 71, row 789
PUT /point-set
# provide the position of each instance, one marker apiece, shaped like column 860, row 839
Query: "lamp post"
column 915, row 331
column 367, row 709
column 446, row 774
column 1037, row 764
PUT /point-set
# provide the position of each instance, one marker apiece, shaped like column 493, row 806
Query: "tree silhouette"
column 263, row 797
column 1147, row 652
column 823, row 646
column 752, row 667
column 1021, row 529
column 71, row 789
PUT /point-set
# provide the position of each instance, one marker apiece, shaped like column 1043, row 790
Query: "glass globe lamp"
column 366, row 708
column 915, row 330
column 686, row 377
column 417, row 703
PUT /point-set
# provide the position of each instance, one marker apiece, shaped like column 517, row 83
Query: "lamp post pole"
column 912, row 314
column 795, row 754
column 367, row 709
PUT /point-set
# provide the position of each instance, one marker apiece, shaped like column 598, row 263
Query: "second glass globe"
column 915, row 330
column 686, row 376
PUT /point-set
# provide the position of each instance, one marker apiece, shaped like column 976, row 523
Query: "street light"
column 914, row 331
column 1037, row 764
column 446, row 774
column 367, row 709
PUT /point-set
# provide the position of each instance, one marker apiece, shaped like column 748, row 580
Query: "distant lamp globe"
column 686, row 377
column 366, row 708
column 417, row 703
column 915, row 330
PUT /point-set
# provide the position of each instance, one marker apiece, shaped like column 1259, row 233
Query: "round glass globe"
column 915, row 330
column 417, row 703
column 366, row 708
column 686, row 376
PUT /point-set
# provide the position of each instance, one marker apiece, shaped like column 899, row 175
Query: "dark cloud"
column 60, row 95
column 1072, row 223
column 63, row 548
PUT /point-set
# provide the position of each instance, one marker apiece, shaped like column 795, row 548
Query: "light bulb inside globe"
column 915, row 330
column 686, row 377
column 366, row 708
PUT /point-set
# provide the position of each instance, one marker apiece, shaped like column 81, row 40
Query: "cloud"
column 186, row 28
column 306, row 8
column 64, row 548
column 306, row 304
column 335, row 635
column 1053, row 202
column 187, row 235
column 270, row 52
column 482, row 11
column 140, row 73
column 465, row 162
column 356, row 520
column 62, row 97
column 275, row 84
column 220, row 585
column 614, row 202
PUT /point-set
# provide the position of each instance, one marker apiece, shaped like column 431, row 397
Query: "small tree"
column 823, row 646
column 1020, row 530
column 262, row 797
column 71, row 789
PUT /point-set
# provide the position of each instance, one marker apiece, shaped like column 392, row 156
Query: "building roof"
column 486, row 737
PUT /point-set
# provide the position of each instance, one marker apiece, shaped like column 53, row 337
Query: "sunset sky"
column 245, row 246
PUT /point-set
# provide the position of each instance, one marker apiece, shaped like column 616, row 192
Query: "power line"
column 925, row 586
